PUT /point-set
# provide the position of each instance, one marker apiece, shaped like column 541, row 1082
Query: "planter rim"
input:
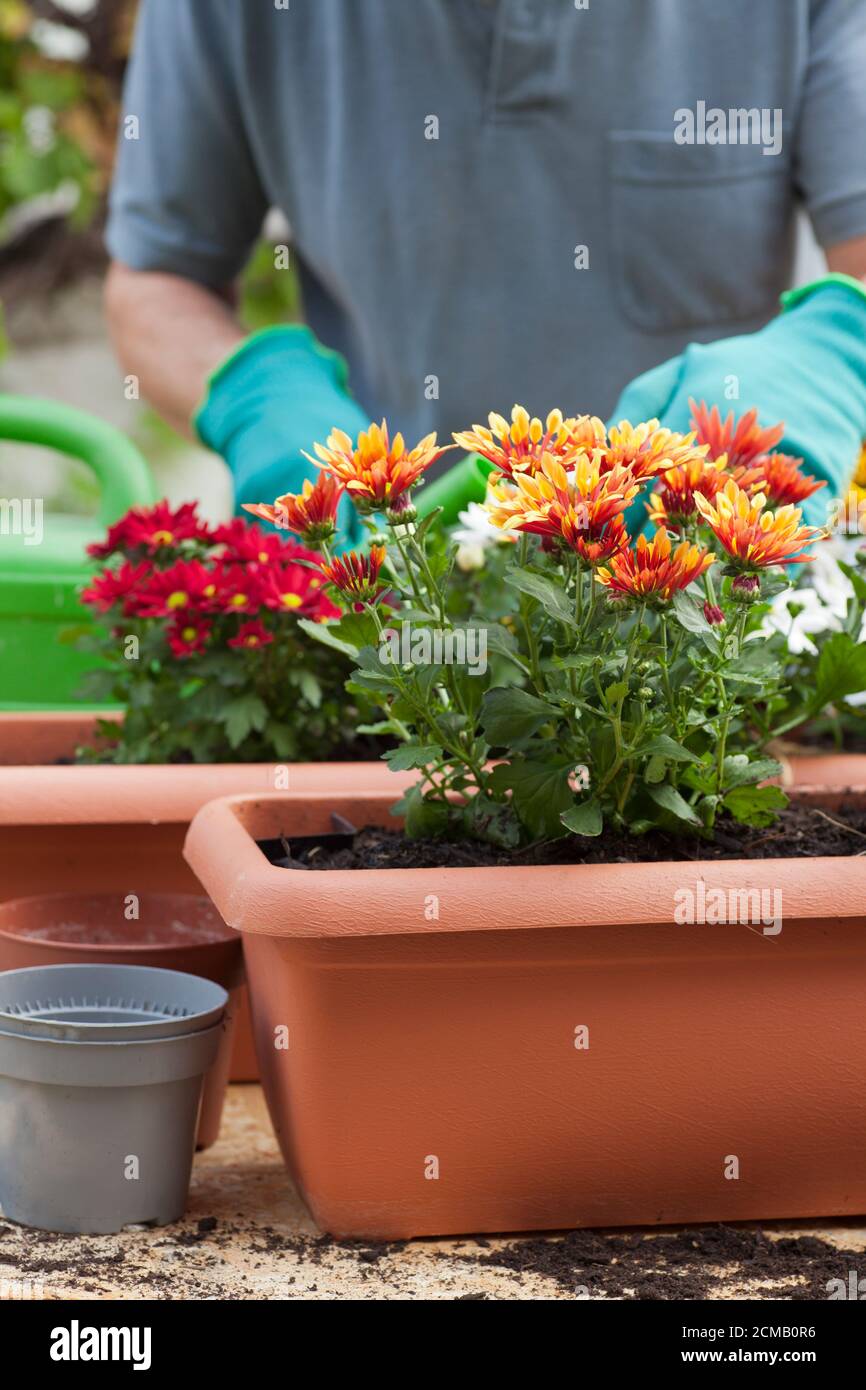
column 191, row 1002
column 163, row 793
column 256, row 896
column 11, row 931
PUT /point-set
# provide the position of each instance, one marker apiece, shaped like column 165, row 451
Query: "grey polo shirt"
column 497, row 200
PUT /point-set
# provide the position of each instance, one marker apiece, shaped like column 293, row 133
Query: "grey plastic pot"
column 106, row 1003
column 98, row 1135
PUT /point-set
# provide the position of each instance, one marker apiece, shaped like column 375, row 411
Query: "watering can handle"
column 124, row 478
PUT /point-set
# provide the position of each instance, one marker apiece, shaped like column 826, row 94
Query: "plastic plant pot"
column 173, row 931
column 120, row 829
column 98, row 1135
column 488, row 1049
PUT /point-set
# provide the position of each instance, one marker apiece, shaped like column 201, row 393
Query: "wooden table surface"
column 246, row 1235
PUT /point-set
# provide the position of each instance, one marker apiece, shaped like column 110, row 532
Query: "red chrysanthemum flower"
column 188, row 636
column 740, row 441
column 239, row 588
column 295, row 589
column 184, row 586
column 251, row 635
column 121, row 587
column 150, row 530
column 246, row 544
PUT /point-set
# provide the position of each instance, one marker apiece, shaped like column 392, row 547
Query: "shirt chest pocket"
column 698, row 234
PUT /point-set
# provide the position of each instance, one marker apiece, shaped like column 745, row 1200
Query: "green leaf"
column 668, row 748
column 540, row 792
column 738, row 771
column 841, row 670
column 551, row 597
column 509, row 714
column 423, row 818
column 756, row 806
column 655, row 769
column 310, row 688
column 241, row 716
column 412, row 755
column 670, row 800
column 689, row 614
column 584, row 819
column 494, row 822
column 615, row 693
column 324, row 633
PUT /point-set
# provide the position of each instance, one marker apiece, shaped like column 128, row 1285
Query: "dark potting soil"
column 687, row 1264
column 681, row 1265
column 801, row 831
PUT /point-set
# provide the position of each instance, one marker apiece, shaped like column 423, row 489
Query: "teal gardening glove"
column 278, row 393
column 806, row 367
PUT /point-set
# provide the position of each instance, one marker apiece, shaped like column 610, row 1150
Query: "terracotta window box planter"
column 433, row 1080
column 84, row 829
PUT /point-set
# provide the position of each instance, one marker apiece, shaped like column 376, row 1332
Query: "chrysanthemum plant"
column 621, row 690
column 198, row 629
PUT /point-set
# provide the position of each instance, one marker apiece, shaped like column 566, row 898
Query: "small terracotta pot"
column 173, row 931
column 120, row 829
column 805, row 769
column 421, row 1037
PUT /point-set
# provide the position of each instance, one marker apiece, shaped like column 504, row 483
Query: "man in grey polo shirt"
column 493, row 201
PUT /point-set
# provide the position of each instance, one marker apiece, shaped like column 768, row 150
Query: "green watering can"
column 464, row 483
column 43, row 560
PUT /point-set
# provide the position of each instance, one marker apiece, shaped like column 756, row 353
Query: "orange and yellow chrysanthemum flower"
column 753, row 537
column 578, row 505
column 517, row 447
column 674, row 504
column 378, row 470
column 653, row 569
column 743, row 440
column 310, row 513
column 649, row 449
column 780, row 478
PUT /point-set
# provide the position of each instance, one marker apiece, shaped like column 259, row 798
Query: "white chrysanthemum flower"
column 475, row 536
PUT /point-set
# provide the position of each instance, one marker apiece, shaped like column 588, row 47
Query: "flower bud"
column 746, row 588
column 713, row 614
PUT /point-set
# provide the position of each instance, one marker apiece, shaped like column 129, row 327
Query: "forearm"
column 170, row 333
column 849, row 258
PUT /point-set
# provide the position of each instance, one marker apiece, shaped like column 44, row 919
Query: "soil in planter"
column 801, row 831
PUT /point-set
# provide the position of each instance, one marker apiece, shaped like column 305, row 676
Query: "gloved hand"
column 806, row 367
column 277, row 394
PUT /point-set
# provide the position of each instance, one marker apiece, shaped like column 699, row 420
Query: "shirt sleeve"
column 186, row 196
column 830, row 157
